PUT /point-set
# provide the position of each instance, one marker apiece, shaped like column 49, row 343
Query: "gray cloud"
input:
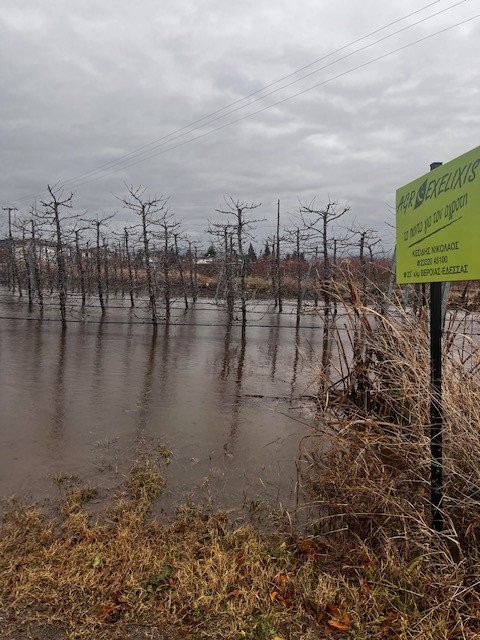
column 83, row 83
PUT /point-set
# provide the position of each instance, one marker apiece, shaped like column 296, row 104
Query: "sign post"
column 438, row 231
column 436, row 404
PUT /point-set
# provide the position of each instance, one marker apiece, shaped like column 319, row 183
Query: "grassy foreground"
column 126, row 575
column 369, row 567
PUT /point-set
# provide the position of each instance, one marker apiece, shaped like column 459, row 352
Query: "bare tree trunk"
column 49, row 271
column 299, row 276
column 62, row 291
column 36, row 268
column 106, row 269
column 192, row 265
column 315, row 278
column 277, row 263
column 166, row 274
column 99, row 268
column 243, row 288
column 230, row 294
column 27, row 270
column 129, row 266
column 148, row 269
column 115, row 271
column 271, row 273
column 80, row 267
column 180, row 269
column 363, row 283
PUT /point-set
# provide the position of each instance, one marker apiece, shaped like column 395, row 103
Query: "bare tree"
column 278, row 275
column 79, row 260
column 147, row 208
column 366, row 240
column 318, row 221
column 169, row 226
column 299, row 237
column 242, row 228
column 131, row 286
column 223, row 234
column 100, row 248
column 51, row 215
column 35, row 259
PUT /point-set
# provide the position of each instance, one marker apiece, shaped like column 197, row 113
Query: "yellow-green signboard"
column 438, row 223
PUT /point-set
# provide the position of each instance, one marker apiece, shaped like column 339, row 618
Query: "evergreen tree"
column 211, row 252
column 251, row 255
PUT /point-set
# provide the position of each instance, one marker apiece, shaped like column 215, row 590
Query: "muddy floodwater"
column 89, row 401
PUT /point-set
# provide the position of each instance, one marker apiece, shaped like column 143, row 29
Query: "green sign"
column 438, row 223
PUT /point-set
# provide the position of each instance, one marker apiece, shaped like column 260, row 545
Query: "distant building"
column 45, row 249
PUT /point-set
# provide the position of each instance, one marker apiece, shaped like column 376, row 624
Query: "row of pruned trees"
column 313, row 249
column 55, row 249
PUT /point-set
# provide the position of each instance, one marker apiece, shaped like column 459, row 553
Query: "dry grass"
column 374, row 480
column 126, row 575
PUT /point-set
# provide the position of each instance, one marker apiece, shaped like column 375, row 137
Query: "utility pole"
column 277, row 262
column 12, row 266
column 10, row 209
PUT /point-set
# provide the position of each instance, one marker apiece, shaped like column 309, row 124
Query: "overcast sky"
column 85, row 82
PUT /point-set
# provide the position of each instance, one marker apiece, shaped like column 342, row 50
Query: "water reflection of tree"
column 37, row 352
column 148, row 377
column 98, row 364
column 232, row 434
column 127, row 354
column 58, row 392
column 329, row 325
column 296, row 358
column 273, row 344
column 225, row 372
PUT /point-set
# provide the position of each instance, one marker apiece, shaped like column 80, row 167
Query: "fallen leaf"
column 336, row 624
column 333, row 610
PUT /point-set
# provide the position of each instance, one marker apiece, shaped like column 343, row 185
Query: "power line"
column 283, row 100
column 173, row 323
column 124, row 160
column 134, row 153
column 227, row 110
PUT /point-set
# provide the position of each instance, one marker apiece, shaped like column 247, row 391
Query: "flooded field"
column 88, row 402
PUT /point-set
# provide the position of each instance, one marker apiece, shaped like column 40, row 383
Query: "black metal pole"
column 436, row 408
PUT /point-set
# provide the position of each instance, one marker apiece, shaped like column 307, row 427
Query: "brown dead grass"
column 126, row 575
column 374, row 481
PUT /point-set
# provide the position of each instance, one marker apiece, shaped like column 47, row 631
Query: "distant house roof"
column 201, row 261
